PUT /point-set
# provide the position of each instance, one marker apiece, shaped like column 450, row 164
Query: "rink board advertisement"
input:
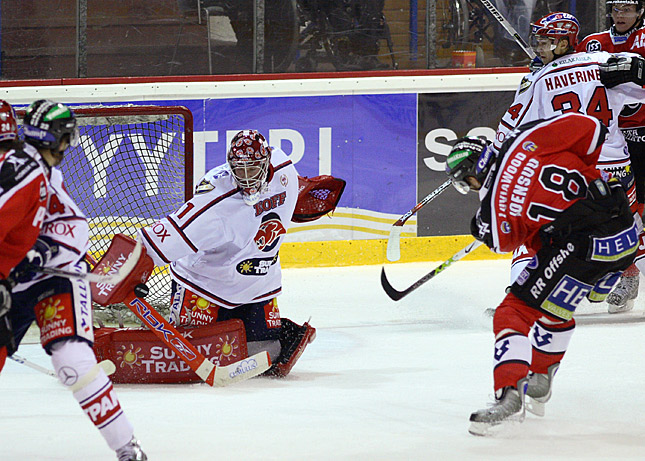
column 443, row 118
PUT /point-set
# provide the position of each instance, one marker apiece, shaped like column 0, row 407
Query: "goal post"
column 133, row 166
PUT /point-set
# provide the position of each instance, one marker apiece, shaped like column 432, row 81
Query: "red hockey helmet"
column 8, row 125
column 557, row 26
column 249, row 158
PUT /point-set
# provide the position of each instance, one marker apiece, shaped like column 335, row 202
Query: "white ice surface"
column 382, row 381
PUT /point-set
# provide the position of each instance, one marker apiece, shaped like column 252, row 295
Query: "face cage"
column 255, row 173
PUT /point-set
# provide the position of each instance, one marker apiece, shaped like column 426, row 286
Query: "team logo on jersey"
column 284, row 180
column 505, row 227
column 593, row 45
column 529, row 146
column 525, row 85
column 256, row 266
column 268, row 236
column 203, row 187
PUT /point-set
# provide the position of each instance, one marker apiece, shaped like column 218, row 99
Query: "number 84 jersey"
column 568, row 84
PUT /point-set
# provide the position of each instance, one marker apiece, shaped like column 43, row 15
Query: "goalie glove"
column 43, row 250
column 622, row 69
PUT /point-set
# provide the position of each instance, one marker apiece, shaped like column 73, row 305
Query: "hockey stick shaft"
column 213, row 376
column 397, row 295
column 505, row 24
column 393, row 241
column 32, row 365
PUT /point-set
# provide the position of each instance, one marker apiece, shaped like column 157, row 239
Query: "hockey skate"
column 539, row 390
column 131, row 451
column 293, row 340
column 621, row 299
column 508, row 406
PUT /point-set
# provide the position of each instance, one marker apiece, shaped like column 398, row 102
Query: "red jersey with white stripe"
column 67, row 226
column 544, row 170
column 221, row 248
column 23, row 200
column 571, row 83
column 612, row 42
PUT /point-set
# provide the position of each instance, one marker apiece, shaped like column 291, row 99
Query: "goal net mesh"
column 132, row 167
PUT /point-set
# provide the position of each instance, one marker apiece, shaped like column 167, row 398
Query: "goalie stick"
column 394, row 240
column 212, row 375
column 505, row 24
column 397, row 295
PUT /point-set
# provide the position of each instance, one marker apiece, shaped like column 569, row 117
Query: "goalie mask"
column 469, row 157
column 8, row 125
column 249, row 159
column 47, row 123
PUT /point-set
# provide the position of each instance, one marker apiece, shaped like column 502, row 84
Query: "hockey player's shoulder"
column 15, row 166
column 219, row 178
column 279, row 159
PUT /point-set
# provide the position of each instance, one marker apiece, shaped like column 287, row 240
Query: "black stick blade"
column 389, row 289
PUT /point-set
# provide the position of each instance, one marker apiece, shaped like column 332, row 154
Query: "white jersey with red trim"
column 571, row 83
column 221, row 248
column 66, row 225
column 24, row 179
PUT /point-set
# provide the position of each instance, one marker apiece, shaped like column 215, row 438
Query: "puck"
column 141, row 290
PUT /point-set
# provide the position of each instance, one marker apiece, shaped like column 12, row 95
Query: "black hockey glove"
column 604, row 201
column 43, row 250
column 621, row 69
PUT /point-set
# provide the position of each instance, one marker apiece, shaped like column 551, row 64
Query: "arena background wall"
column 386, row 134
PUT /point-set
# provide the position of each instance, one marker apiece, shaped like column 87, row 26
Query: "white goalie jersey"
column 571, row 83
column 221, row 248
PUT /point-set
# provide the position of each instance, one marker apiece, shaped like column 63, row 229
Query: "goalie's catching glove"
column 43, row 250
column 622, row 69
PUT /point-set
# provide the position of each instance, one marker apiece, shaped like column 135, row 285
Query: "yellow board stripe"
column 372, row 251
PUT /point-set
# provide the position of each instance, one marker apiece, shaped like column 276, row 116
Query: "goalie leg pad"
column 76, row 368
column 190, row 309
column 140, row 357
column 293, row 341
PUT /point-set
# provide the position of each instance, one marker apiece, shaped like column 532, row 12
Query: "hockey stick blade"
column 397, row 295
column 242, row 370
column 111, row 279
column 394, row 240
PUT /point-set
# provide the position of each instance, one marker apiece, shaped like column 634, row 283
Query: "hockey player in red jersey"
column 569, row 82
column 24, row 180
column 62, row 307
column 223, row 244
column 626, row 34
column 543, row 190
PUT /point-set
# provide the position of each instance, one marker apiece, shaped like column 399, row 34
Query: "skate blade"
column 506, row 426
column 535, row 407
column 616, row 309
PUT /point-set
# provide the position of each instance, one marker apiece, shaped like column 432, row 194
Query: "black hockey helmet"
column 46, row 123
column 469, row 156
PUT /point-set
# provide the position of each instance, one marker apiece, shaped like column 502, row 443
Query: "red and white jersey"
column 543, row 170
column 221, row 248
column 66, row 225
column 571, row 83
column 612, row 42
column 24, row 179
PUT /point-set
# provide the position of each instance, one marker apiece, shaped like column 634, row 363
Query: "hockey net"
column 133, row 166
